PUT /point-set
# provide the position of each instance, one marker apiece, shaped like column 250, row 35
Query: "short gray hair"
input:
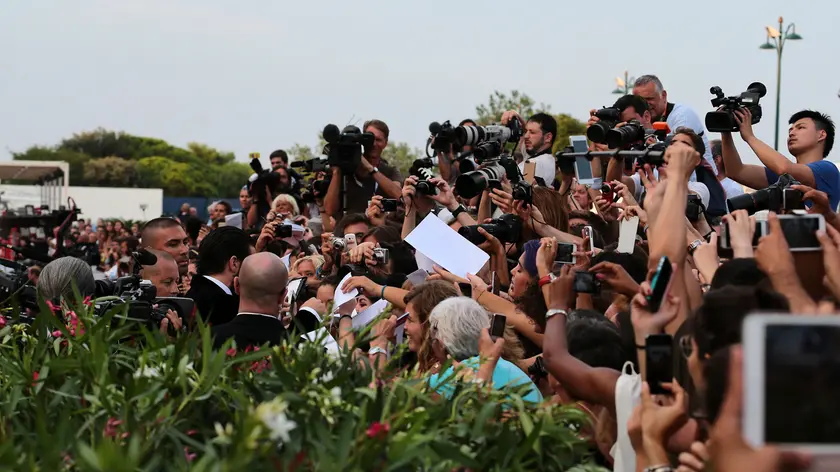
column 646, row 79
column 456, row 323
column 57, row 279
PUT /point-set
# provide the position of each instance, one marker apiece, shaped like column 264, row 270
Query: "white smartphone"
column 349, row 241
column 801, row 231
column 590, row 248
column 627, row 235
column 583, row 166
column 565, row 256
column 791, row 367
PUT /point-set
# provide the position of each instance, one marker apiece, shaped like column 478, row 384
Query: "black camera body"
column 263, row 178
column 443, row 136
column 344, row 148
column 316, row 189
column 523, row 191
column 423, row 174
column 776, row 198
column 506, row 228
column 608, row 117
column 722, row 120
column 624, row 136
column 693, row 208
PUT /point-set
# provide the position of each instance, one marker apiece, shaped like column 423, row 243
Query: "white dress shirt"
column 220, row 284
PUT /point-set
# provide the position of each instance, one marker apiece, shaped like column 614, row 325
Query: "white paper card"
column 418, row 276
column 364, row 318
column 424, row 263
column 340, row 298
column 234, row 220
column 627, row 235
column 447, row 248
column 323, row 336
column 286, row 259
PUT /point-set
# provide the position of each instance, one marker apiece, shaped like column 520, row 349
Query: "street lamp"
column 778, row 43
column 625, row 85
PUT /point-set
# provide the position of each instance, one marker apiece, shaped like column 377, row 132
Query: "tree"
column 567, row 125
column 499, row 103
column 401, row 156
column 209, row 155
column 300, row 153
column 111, row 172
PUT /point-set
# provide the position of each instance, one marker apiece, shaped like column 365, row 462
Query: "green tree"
column 567, row 125
column 401, row 156
column 210, row 155
column 299, row 152
column 111, row 172
column 76, row 160
column 499, row 102
column 230, row 178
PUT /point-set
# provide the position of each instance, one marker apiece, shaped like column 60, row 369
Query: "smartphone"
column 801, row 231
column 760, row 230
column 466, row 289
column 583, row 166
column 497, row 326
column 390, row 204
column 659, row 362
column 802, row 415
column 587, row 233
column 566, row 253
column 659, row 284
column 402, row 319
column 585, row 282
column 349, row 241
column 627, row 235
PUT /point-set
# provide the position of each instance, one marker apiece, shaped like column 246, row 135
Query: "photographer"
column 280, row 160
column 810, row 139
column 419, row 206
column 677, row 115
column 540, row 131
column 373, row 177
column 163, row 275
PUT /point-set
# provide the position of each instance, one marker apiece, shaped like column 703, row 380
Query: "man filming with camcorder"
column 810, row 139
column 357, row 176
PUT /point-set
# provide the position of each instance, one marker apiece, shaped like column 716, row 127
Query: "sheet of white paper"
column 234, row 220
column 418, row 276
column 285, row 260
column 364, row 318
column 447, row 248
column 323, row 336
column 627, row 235
column 340, row 298
column 424, row 263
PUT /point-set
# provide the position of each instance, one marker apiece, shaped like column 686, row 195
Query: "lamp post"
column 624, row 86
column 779, row 40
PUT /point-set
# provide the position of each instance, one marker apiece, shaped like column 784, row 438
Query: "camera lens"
column 597, row 133
column 487, row 150
column 469, row 135
column 473, row 183
column 423, row 187
column 471, row 234
column 625, row 135
column 752, row 202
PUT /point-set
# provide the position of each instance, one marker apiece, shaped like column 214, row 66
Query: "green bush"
column 93, row 396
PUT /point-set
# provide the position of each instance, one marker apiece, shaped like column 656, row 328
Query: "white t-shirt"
column 546, row 167
column 732, row 188
column 683, row 116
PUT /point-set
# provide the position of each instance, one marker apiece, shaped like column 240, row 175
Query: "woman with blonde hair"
column 285, row 204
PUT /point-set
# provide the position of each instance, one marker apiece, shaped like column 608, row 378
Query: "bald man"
column 261, row 286
column 163, row 275
column 167, row 235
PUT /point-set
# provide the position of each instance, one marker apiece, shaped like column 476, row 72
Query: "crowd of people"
column 565, row 340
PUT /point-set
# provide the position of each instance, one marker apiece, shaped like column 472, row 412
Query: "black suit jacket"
column 249, row 330
column 213, row 305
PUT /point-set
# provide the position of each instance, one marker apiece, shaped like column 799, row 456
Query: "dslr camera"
column 422, row 169
column 488, row 141
column 722, row 120
column 344, row 148
column 506, row 228
column 776, row 198
column 442, row 137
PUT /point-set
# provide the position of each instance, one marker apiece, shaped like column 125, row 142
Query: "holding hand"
column 375, row 211
column 743, row 116
column 773, row 253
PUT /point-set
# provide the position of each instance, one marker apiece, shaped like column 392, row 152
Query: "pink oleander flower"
column 111, row 429
column 231, row 352
column 87, row 301
column 56, row 333
column 53, row 307
column 190, row 456
column 378, row 430
column 2, row 321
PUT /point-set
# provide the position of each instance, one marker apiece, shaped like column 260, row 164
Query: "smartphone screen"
column 497, row 325
column 659, row 362
column 565, row 253
column 585, row 282
column 802, row 412
column 466, row 289
column 583, row 169
column 587, row 233
column 293, row 289
column 801, row 230
column 659, row 284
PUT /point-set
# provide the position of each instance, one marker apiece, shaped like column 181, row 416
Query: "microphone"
column 331, row 133
column 435, row 127
column 144, row 257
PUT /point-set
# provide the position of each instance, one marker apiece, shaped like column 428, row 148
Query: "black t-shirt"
column 358, row 191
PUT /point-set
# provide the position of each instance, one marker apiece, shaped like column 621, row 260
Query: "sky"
column 258, row 75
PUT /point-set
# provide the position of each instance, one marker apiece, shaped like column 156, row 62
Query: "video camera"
column 344, row 148
column 776, row 198
column 261, row 179
column 506, row 228
column 140, row 296
column 722, row 120
column 15, row 289
column 442, row 137
column 318, row 164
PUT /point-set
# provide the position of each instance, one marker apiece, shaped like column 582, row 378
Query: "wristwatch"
column 458, row 211
column 547, row 280
column 377, row 350
column 694, row 245
column 551, row 313
column 374, row 170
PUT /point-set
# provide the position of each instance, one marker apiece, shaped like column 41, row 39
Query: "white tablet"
column 792, row 382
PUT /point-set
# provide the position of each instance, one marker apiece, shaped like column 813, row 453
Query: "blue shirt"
column 505, row 375
column 826, row 178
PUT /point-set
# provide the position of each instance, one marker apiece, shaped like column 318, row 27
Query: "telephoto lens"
column 470, row 184
column 507, row 229
column 469, row 135
column 626, row 135
column 608, row 118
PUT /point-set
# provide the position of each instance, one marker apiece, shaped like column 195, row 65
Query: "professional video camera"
column 608, row 117
column 776, row 198
column 318, row 164
column 344, row 148
column 722, row 119
column 140, row 296
column 261, row 179
column 15, row 288
column 506, row 228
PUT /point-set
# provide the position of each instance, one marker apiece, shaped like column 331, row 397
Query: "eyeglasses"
column 685, row 346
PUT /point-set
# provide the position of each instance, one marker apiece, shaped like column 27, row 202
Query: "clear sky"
column 257, row 75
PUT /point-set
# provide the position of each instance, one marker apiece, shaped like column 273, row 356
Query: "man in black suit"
column 261, row 286
column 220, row 258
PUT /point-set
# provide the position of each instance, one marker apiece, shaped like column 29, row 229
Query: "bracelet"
column 382, row 293
column 377, row 350
column 479, row 295
column 659, row 468
column 641, row 347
